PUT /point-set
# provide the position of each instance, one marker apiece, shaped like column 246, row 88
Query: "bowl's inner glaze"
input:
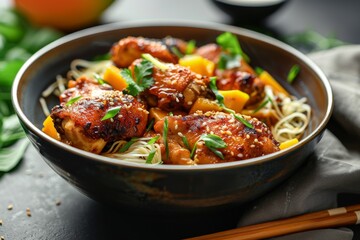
column 260, row 49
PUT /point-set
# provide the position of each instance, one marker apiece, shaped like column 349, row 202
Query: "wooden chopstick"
column 327, row 218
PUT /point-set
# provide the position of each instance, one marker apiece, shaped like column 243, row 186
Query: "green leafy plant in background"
column 18, row 41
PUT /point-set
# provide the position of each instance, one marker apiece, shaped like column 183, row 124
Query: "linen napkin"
column 334, row 167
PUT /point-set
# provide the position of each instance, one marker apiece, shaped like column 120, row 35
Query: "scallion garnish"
column 185, row 141
column 99, row 79
column 154, row 61
column 111, row 113
column 293, row 73
column 212, row 142
column 220, row 99
column 262, row 105
column 73, row 100
column 177, row 52
column 258, row 70
column 150, row 157
column 153, row 140
column 165, row 134
column 190, row 47
column 127, row 145
column 150, row 125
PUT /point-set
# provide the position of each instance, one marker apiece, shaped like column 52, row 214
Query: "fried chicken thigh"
column 241, row 142
column 80, row 123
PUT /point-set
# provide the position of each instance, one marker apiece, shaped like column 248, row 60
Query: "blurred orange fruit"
column 66, row 15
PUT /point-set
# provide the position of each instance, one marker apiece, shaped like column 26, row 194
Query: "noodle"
column 138, row 152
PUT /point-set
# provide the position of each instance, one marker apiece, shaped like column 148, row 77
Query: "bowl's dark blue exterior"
column 166, row 188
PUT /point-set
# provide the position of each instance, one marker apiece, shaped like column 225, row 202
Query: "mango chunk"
column 267, row 79
column 235, row 99
column 198, row 65
column 113, row 77
column 49, row 128
column 204, row 105
column 288, row 143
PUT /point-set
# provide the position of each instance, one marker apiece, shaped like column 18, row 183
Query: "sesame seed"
column 177, row 100
column 28, row 212
column 256, row 140
column 240, row 155
column 189, row 102
column 247, row 136
column 252, row 145
column 10, row 207
column 228, row 133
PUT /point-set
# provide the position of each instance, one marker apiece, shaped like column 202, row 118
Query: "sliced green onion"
column 153, row 140
column 150, row 157
column 293, row 73
column 127, row 145
column 154, row 61
column 190, row 47
column 111, row 113
column 165, row 134
column 73, row 100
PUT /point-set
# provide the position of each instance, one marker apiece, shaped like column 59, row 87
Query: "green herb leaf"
column 73, row 100
column 230, row 43
column 143, row 78
column 127, row 145
column 293, row 73
column 217, row 153
column 133, row 88
column 111, row 113
column 228, row 61
column 11, row 156
column 165, row 134
column 190, row 47
column 258, row 70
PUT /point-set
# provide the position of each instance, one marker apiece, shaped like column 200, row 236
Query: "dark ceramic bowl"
column 168, row 188
column 249, row 11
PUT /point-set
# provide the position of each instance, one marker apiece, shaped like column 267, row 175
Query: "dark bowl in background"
column 169, row 188
column 249, row 12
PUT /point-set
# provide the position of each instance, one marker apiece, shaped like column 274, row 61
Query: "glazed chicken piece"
column 241, row 142
column 241, row 78
column 175, row 88
column 80, row 123
column 83, row 86
column 127, row 50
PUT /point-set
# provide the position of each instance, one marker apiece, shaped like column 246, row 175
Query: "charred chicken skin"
column 80, row 123
column 241, row 142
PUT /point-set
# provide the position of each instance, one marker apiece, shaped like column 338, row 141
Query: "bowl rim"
column 173, row 23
